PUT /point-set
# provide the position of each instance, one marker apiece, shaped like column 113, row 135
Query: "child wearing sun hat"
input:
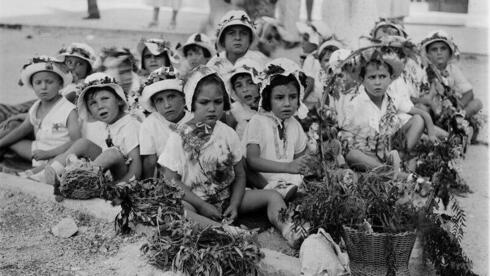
column 235, row 35
column 154, row 53
column 52, row 118
column 162, row 96
column 197, row 50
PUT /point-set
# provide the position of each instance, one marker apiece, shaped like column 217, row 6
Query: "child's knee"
column 274, row 197
column 416, row 122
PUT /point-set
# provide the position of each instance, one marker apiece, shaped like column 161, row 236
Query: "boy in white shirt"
column 162, row 96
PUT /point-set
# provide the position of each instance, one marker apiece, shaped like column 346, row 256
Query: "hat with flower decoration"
column 439, row 36
column 194, row 77
column 162, row 79
column 44, row 64
column 243, row 66
column 156, row 47
column 98, row 80
column 235, row 18
column 200, row 40
column 83, row 51
column 387, row 22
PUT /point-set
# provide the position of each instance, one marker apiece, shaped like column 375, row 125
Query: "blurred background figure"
column 93, row 10
column 393, row 9
column 156, row 4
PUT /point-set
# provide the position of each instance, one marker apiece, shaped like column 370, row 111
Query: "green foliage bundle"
column 182, row 246
column 151, row 202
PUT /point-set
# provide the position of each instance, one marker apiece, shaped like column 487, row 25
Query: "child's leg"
column 413, row 129
column 23, row 148
column 254, row 178
column 360, row 160
column 113, row 160
column 473, row 107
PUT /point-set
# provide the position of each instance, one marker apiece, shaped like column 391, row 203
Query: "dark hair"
column 378, row 63
column 194, row 47
column 448, row 46
column 330, row 48
column 276, row 81
column 164, row 54
column 212, row 79
column 236, row 76
column 58, row 76
column 152, row 98
column 222, row 37
column 93, row 90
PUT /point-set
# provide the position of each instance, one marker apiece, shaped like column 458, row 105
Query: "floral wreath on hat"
column 244, row 19
column 76, row 50
column 439, row 36
column 95, row 82
column 388, row 22
column 52, row 64
column 163, row 73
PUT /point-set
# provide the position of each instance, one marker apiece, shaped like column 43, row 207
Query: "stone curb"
column 274, row 263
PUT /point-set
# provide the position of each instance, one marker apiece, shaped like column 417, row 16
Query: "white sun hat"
column 200, row 40
column 156, row 47
column 44, row 64
column 284, row 67
column 83, row 51
column 162, row 79
column 196, row 75
column 441, row 36
column 98, row 80
column 330, row 43
column 243, row 66
column 337, row 58
column 236, row 18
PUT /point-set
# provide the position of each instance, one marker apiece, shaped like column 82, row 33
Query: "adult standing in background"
column 288, row 15
column 394, row 9
column 156, row 4
column 93, row 10
column 350, row 19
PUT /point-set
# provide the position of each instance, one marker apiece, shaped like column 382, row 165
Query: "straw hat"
column 98, row 80
column 44, row 64
column 235, row 18
column 83, row 51
column 162, row 79
column 440, row 36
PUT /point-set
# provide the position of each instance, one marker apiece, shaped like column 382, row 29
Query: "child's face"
column 46, row 85
column 195, row 56
column 236, row 39
column 151, row 62
column 105, row 106
column 170, row 104
column 78, row 67
column 125, row 76
column 284, row 100
column 209, row 104
column 376, row 80
column 439, row 53
column 247, row 91
column 325, row 59
column 385, row 31
column 270, row 40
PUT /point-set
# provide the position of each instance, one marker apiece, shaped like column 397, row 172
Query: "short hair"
column 276, row 81
column 236, row 76
column 60, row 79
column 93, row 90
column 331, row 48
column 223, row 33
column 377, row 63
column 194, row 47
column 212, row 79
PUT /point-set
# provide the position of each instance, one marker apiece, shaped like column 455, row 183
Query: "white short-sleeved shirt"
column 211, row 175
column 155, row 131
column 95, row 131
column 263, row 130
column 124, row 134
column 224, row 66
column 52, row 130
column 457, row 80
column 242, row 114
column 364, row 120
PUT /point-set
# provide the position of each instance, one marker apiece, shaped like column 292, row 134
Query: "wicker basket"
column 81, row 183
column 369, row 253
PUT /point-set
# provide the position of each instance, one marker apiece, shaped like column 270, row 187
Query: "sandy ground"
column 16, row 46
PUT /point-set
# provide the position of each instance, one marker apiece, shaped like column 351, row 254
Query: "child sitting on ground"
column 373, row 128
column 197, row 51
column 104, row 99
column 52, row 118
column 235, row 35
column 243, row 83
column 162, row 96
column 204, row 157
column 274, row 140
column 440, row 49
column 154, row 53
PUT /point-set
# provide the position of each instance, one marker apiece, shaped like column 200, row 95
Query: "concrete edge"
column 274, row 263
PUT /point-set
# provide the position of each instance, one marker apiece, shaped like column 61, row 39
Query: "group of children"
column 225, row 125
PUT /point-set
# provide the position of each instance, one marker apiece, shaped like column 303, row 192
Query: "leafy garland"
column 182, row 246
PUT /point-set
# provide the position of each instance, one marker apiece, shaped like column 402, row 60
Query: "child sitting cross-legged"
column 373, row 126
column 243, row 83
column 52, row 118
column 274, row 140
column 104, row 99
column 204, row 157
column 162, row 96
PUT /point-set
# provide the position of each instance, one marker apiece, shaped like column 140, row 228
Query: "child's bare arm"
column 201, row 206
column 134, row 168
column 263, row 165
column 74, row 133
column 238, row 190
column 17, row 134
column 149, row 165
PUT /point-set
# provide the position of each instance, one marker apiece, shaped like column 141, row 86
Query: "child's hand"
column 40, row 155
column 208, row 210
column 433, row 138
column 299, row 164
column 230, row 214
